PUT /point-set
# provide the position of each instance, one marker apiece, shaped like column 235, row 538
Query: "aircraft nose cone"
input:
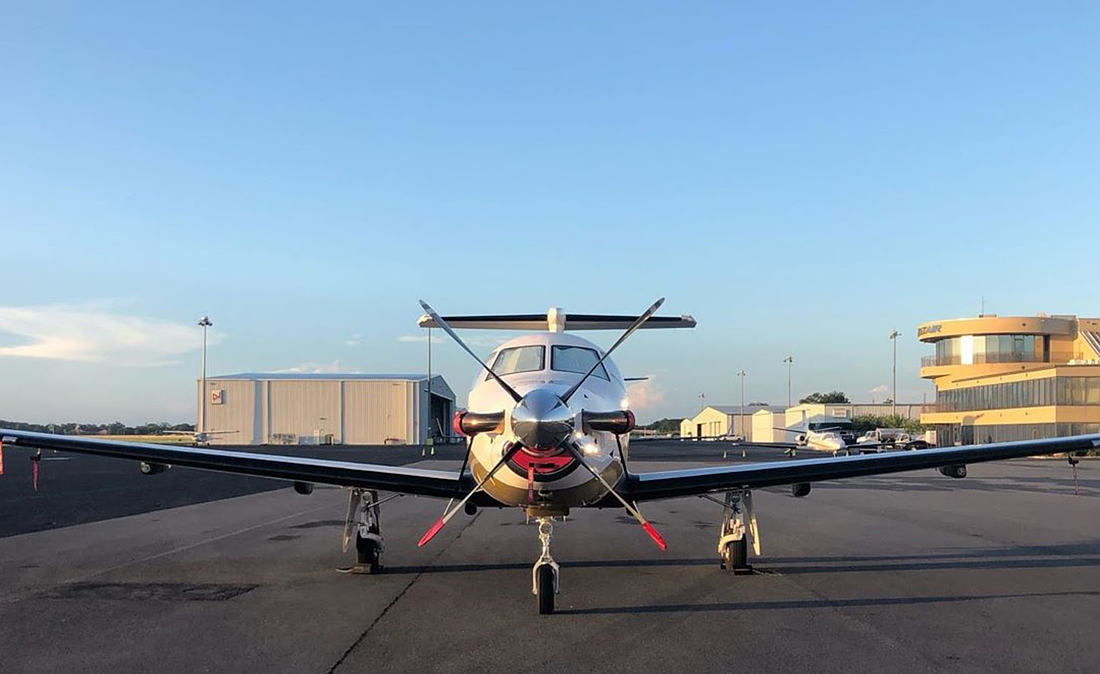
column 541, row 420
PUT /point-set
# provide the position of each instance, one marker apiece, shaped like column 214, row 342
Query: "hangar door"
column 439, row 421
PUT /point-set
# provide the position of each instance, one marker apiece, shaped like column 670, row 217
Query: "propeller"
column 430, row 533
column 626, row 504
column 543, row 421
column 446, row 328
column 629, row 331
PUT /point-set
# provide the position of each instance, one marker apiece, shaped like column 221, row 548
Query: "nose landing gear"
column 544, row 575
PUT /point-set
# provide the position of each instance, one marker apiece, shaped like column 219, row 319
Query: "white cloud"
column 422, row 339
column 311, row 367
column 354, row 340
column 644, row 395
column 879, row 390
column 90, row 333
column 483, row 341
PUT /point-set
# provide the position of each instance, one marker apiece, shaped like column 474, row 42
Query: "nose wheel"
column 544, row 576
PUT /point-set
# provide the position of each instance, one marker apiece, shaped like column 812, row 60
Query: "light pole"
column 204, row 323
column 894, row 392
column 431, row 419
column 741, row 376
column 789, row 360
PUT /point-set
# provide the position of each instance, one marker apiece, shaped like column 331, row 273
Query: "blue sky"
column 800, row 177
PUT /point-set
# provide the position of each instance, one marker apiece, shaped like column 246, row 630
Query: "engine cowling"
column 616, row 421
column 472, row 423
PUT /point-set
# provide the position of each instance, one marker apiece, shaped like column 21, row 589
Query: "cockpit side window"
column 519, row 359
column 576, row 359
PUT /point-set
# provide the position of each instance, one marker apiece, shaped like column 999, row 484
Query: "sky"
column 801, row 177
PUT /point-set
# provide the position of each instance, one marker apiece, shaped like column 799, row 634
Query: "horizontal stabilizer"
column 556, row 320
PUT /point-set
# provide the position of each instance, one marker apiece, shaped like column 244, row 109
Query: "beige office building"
column 1003, row 378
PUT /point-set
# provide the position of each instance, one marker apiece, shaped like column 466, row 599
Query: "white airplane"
column 828, row 439
column 199, row 437
column 548, row 431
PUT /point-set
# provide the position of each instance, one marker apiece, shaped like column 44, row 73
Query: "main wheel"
column 367, row 554
column 736, row 555
column 544, row 580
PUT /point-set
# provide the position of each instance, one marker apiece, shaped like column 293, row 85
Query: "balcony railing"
column 982, row 359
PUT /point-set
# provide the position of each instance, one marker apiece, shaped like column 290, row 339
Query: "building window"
column 1029, row 393
column 982, row 349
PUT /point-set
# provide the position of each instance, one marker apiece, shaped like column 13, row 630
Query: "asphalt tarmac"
column 915, row 572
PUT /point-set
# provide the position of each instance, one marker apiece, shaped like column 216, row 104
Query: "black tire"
column 544, row 581
column 367, row 554
column 736, row 555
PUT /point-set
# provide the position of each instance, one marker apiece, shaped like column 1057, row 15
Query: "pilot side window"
column 519, row 359
column 576, row 359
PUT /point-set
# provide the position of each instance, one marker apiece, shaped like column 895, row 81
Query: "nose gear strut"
column 545, row 574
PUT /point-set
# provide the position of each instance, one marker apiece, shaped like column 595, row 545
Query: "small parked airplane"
column 822, row 438
column 199, row 437
column 547, row 431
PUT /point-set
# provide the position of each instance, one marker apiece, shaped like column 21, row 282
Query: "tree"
column 830, row 397
column 757, row 404
column 664, row 426
column 870, row 422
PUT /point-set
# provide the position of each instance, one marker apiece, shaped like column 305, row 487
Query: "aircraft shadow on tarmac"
column 1038, row 485
column 801, row 605
column 1023, row 557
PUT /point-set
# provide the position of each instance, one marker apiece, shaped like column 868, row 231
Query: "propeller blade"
column 430, row 533
column 631, row 509
column 629, row 331
column 446, row 328
column 754, row 528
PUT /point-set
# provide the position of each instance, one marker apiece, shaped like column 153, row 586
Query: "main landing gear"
column 738, row 525
column 363, row 522
column 544, row 575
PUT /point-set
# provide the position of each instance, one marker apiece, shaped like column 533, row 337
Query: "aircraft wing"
column 297, row 468
column 694, row 481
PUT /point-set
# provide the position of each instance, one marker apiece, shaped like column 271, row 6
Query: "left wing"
column 301, row 469
column 693, row 481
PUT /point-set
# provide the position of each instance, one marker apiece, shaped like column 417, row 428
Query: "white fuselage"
column 559, row 482
column 829, row 441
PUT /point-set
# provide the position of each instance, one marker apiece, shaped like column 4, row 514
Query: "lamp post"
column 894, row 391
column 789, row 360
column 204, row 323
column 741, row 376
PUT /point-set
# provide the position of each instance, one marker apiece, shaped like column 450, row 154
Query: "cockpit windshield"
column 576, row 359
column 519, row 359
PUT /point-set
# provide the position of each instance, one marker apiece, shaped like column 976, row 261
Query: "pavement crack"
column 362, row 637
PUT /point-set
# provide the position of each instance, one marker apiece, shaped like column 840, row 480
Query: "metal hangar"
column 257, row 408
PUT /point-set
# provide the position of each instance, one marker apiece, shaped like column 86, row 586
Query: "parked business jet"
column 547, row 431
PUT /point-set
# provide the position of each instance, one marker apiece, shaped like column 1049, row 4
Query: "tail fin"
column 555, row 320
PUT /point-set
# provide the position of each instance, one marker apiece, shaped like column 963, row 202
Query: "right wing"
column 299, row 469
column 695, row 481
